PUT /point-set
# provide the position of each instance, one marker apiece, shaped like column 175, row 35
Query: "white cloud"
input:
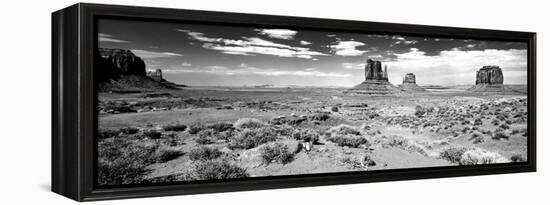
column 285, row 34
column 305, row 43
column 347, row 48
column 457, row 66
column 310, row 69
column 402, row 40
column 154, row 54
column 251, row 46
column 103, row 37
column 186, row 64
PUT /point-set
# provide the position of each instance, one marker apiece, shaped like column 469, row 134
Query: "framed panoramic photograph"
column 154, row 102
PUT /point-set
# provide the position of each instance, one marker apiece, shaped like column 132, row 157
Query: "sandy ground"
column 449, row 123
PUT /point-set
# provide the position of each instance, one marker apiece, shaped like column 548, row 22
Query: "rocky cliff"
column 119, row 69
column 490, row 79
column 376, row 81
column 409, row 84
column 373, row 71
column 489, row 75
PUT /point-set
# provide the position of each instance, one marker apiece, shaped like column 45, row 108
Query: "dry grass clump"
column 151, row 134
column 344, row 129
column 277, row 153
column 206, row 136
column 306, row 135
column 215, row 170
column 175, row 128
column 204, row 153
column 121, row 161
column 500, row 136
column 320, row 116
column 128, row 130
column 250, row 138
column 250, row 123
column 104, row 134
column 477, row 138
column 220, row 126
column 195, row 128
column 453, row 154
column 479, row 156
column 518, row 158
column 348, row 140
column 164, row 154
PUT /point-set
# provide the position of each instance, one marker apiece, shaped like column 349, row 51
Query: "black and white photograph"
column 186, row 102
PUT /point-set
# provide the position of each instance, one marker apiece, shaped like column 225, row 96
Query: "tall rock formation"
column 120, row 61
column 376, row 81
column 490, row 79
column 120, row 69
column 409, row 84
column 489, row 75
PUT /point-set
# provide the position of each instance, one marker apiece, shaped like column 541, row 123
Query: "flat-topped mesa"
column 489, row 79
column 121, row 61
column 409, row 84
column 490, row 74
column 409, row 78
column 376, row 81
column 373, row 71
column 120, row 69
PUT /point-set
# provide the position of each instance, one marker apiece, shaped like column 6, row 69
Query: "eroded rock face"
column 489, row 75
column 120, row 61
column 373, row 71
column 376, row 81
column 409, row 78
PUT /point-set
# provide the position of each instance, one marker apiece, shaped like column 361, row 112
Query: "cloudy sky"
column 211, row 55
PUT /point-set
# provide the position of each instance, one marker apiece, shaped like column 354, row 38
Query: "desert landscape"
column 156, row 131
column 189, row 102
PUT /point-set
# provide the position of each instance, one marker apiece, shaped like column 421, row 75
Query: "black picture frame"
column 74, row 120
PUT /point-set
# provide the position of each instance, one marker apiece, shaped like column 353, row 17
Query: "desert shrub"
column 216, row 169
column 120, row 171
column 195, row 128
column 128, row 130
column 121, row 161
column 250, row 138
column 504, row 126
column 175, row 128
column 479, row 156
column 164, row 154
column 477, row 138
column 344, row 129
column 368, row 161
column 509, row 122
column 220, row 126
column 518, row 158
column 151, row 134
column 478, row 122
column 103, row 134
column 307, row 135
column 204, row 153
column 285, row 130
column 225, row 135
column 250, row 123
column 277, row 152
column 500, row 136
column 515, row 131
column 206, row 136
column 348, row 140
column 453, row 154
column 495, row 122
column 334, row 109
column 419, row 111
column 323, row 116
